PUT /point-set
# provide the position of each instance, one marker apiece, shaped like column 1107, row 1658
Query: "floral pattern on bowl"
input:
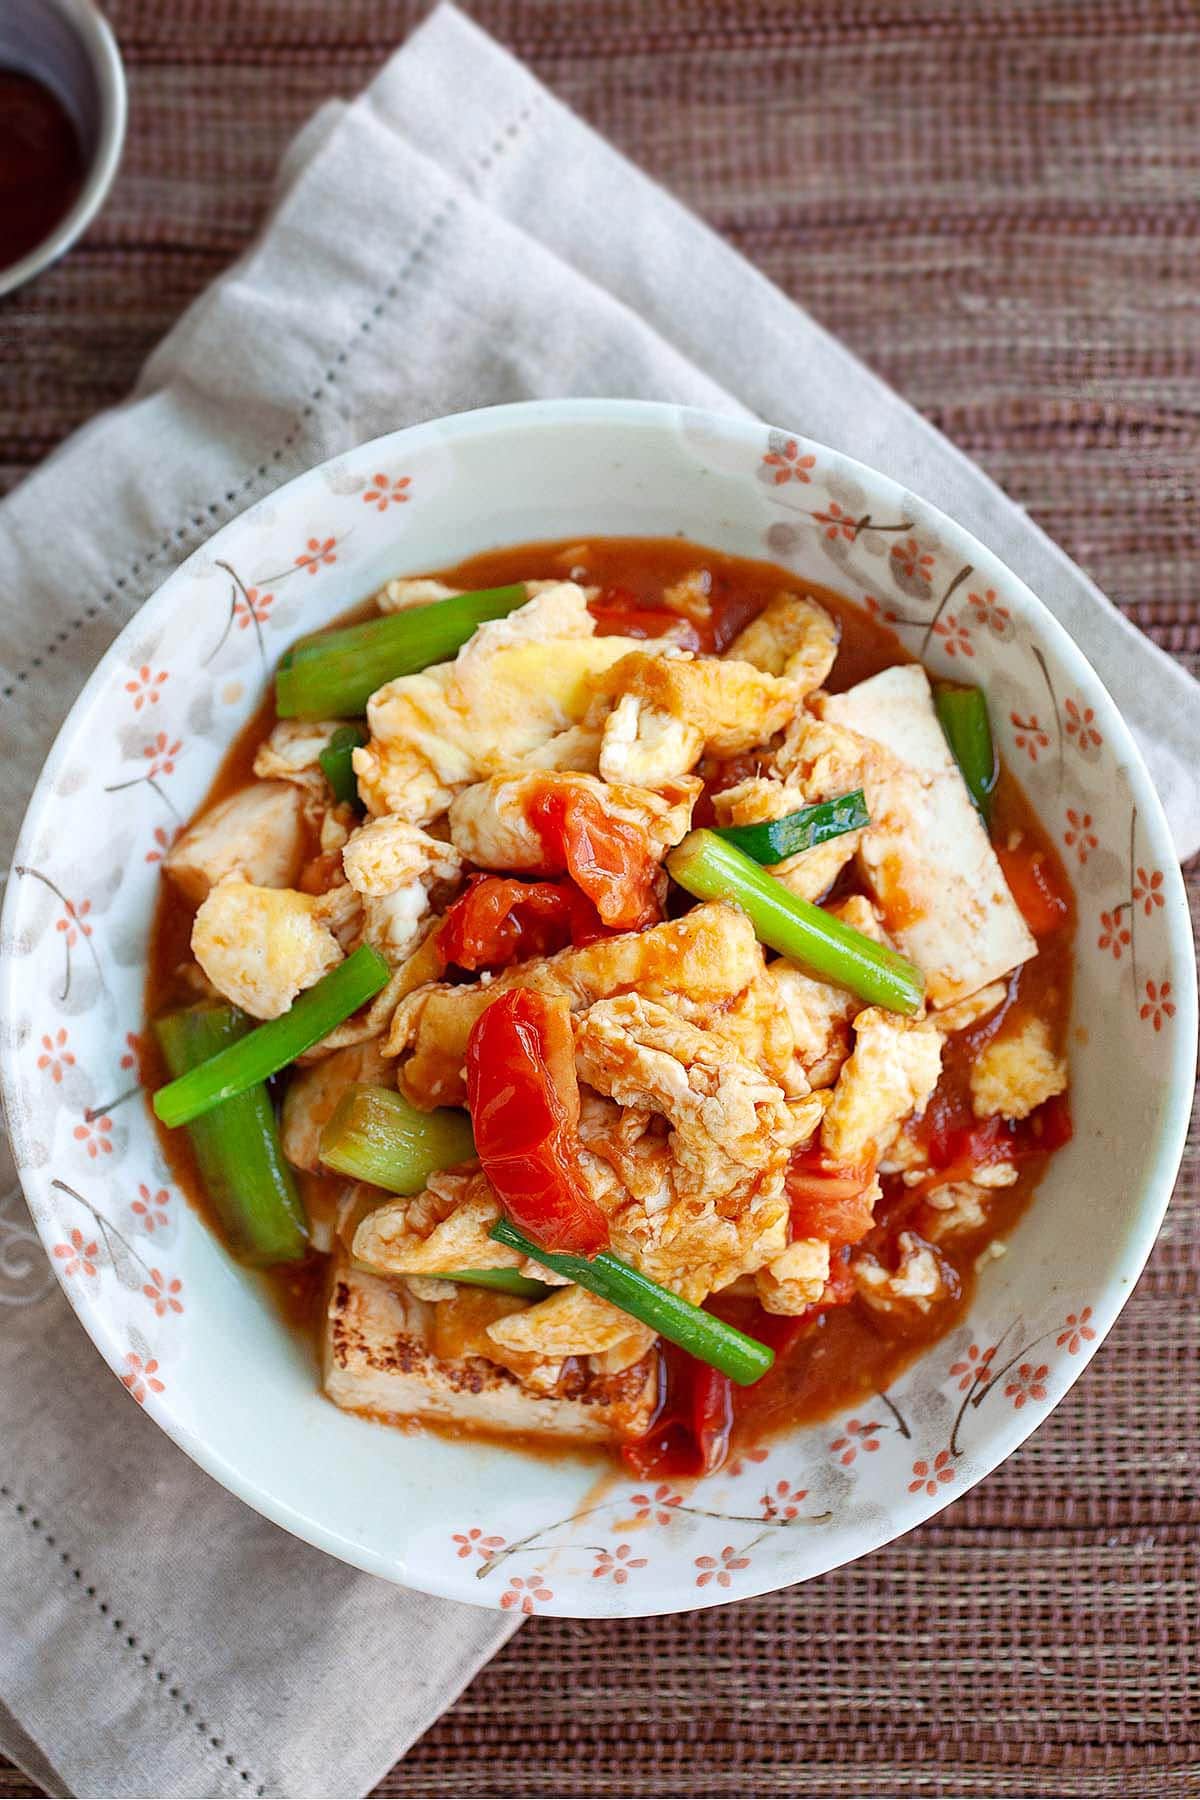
column 189, row 1333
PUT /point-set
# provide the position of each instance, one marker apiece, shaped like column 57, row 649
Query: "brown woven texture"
column 996, row 205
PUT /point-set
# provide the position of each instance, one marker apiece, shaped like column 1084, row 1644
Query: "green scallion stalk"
column 711, row 869
column 374, row 1135
column 334, row 674
column 271, row 1047
column 771, row 840
column 237, row 1149
column 336, row 759
column 703, row 1336
column 500, row 1281
column 964, row 716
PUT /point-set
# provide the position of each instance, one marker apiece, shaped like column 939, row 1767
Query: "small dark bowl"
column 68, row 45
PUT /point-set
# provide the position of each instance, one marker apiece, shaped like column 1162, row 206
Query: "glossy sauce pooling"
column 41, row 164
column 846, row 1355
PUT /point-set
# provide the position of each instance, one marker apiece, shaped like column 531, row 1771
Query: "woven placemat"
column 995, row 203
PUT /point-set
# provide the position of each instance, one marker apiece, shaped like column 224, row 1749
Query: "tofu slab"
column 376, row 1359
column 926, row 857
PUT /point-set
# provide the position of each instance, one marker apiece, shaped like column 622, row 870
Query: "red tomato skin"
column 523, row 1097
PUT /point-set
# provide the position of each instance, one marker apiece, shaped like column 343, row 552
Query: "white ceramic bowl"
column 190, row 1334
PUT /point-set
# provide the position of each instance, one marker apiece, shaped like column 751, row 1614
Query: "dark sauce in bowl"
column 41, row 164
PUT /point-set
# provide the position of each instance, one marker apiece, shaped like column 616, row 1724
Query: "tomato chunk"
column 523, row 1096
column 498, row 920
column 1034, row 885
column 610, row 860
column 829, row 1200
column 690, row 1431
column 618, row 613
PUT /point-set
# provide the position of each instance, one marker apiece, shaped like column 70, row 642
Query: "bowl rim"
column 1163, row 1155
column 100, row 45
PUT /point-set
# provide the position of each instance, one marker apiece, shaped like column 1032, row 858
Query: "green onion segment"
column 334, row 674
column 236, row 1144
column 268, row 1048
column 702, row 1335
column 711, row 869
column 771, row 840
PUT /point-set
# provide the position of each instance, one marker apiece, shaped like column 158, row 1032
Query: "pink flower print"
column 954, row 635
column 1081, row 729
column 384, row 493
column 1147, row 890
column 974, row 1367
column 74, row 921
column 617, row 1564
column 316, row 553
column 837, row 523
column 912, row 562
column 150, row 1208
column 928, row 1475
column 1158, row 1004
column 1076, row 1332
column 782, row 1501
column 659, row 1506
column 1029, row 735
column 720, row 1569
column 1079, row 835
column 251, row 608
column 1026, row 1383
column 523, row 1592
column 132, row 1058
column 161, row 756
column 785, row 463
column 1114, row 935
column 162, row 1294
column 78, row 1257
column 141, row 1377
column 474, row 1542
column 756, row 1455
column 877, row 610
column 144, row 687
column 55, row 1056
column 163, row 839
column 856, row 1435
column 95, row 1134
column 989, row 612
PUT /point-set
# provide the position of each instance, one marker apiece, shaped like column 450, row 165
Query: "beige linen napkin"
column 452, row 239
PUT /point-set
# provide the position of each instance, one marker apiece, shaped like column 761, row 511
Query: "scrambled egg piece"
column 792, row 637
column 411, row 590
column 443, row 1228
column 921, row 1279
column 313, row 1093
column 794, row 1280
column 965, row 1013
column 574, row 1322
column 891, row 1071
column 698, row 964
column 490, row 825
column 1016, row 1071
column 517, row 683
column 291, row 753
column 260, row 946
column 810, row 873
column 400, row 872
column 731, row 1128
column 669, row 708
column 959, row 1207
column 819, row 1012
column 257, row 833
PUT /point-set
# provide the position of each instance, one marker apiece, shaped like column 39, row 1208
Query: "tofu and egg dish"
column 616, row 998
